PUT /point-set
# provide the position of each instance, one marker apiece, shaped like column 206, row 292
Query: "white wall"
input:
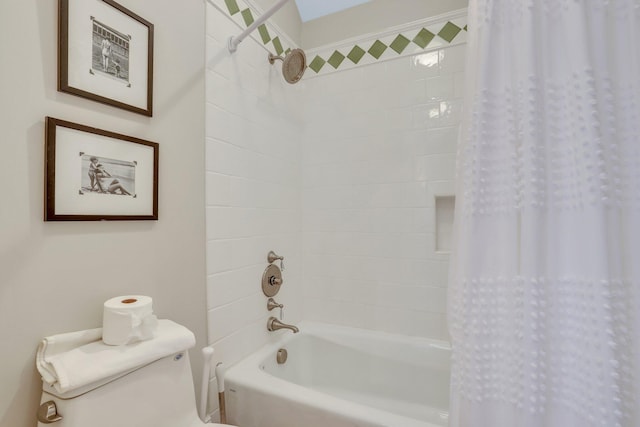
column 286, row 18
column 253, row 145
column 379, row 145
column 54, row 277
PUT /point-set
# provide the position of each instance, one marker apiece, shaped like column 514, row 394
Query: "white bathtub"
column 337, row 376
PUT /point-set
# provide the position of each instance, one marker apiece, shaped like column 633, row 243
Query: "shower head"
column 293, row 65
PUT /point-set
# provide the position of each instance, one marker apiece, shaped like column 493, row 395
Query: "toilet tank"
column 159, row 394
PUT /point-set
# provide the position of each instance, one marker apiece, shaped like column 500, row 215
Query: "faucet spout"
column 274, row 324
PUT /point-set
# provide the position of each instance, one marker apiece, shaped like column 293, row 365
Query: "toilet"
column 159, row 394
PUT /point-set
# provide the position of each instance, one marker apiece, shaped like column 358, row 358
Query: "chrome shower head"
column 293, row 65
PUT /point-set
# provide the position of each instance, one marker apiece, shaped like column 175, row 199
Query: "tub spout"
column 274, row 324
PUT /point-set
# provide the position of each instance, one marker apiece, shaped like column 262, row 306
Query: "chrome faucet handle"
column 271, row 304
column 273, row 257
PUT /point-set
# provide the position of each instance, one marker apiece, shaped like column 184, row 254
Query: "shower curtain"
column 544, row 298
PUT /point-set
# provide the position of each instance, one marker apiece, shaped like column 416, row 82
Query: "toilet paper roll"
column 128, row 319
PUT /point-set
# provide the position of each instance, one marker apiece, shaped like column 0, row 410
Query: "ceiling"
column 313, row 9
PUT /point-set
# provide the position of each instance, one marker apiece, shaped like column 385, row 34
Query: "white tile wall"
column 339, row 173
column 253, row 156
column 379, row 146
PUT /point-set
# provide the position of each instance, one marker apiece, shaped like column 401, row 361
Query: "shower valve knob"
column 271, row 280
column 274, row 281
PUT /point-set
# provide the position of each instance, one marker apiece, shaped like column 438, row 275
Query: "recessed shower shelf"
column 444, row 223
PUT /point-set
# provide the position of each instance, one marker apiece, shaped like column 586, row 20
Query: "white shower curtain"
column 544, row 296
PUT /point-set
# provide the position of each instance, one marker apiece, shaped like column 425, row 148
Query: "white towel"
column 72, row 360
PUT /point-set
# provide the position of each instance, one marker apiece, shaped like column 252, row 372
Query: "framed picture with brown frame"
column 105, row 53
column 93, row 174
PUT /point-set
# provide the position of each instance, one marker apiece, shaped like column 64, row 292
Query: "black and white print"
column 110, row 52
column 101, row 175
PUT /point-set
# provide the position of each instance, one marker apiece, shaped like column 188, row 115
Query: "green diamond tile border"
column 399, row 44
column 426, row 37
column 429, row 36
column 356, row 54
column 423, row 38
column 377, row 49
column 264, row 34
column 449, row 31
column 244, row 14
column 277, row 44
column 232, row 6
column 336, row 59
column 317, row 64
column 247, row 16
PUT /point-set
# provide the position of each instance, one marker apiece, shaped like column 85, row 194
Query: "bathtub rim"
column 248, row 373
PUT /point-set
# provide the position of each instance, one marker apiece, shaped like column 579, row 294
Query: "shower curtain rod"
column 235, row 41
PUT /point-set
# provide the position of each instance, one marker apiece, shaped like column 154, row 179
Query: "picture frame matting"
column 105, row 54
column 93, row 174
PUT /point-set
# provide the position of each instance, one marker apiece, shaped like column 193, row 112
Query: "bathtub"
column 337, row 376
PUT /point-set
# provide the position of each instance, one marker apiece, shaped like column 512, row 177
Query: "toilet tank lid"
column 97, row 362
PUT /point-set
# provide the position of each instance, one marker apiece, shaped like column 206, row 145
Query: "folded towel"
column 72, row 360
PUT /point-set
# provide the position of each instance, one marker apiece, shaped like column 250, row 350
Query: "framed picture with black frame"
column 105, row 53
column 93, row 174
